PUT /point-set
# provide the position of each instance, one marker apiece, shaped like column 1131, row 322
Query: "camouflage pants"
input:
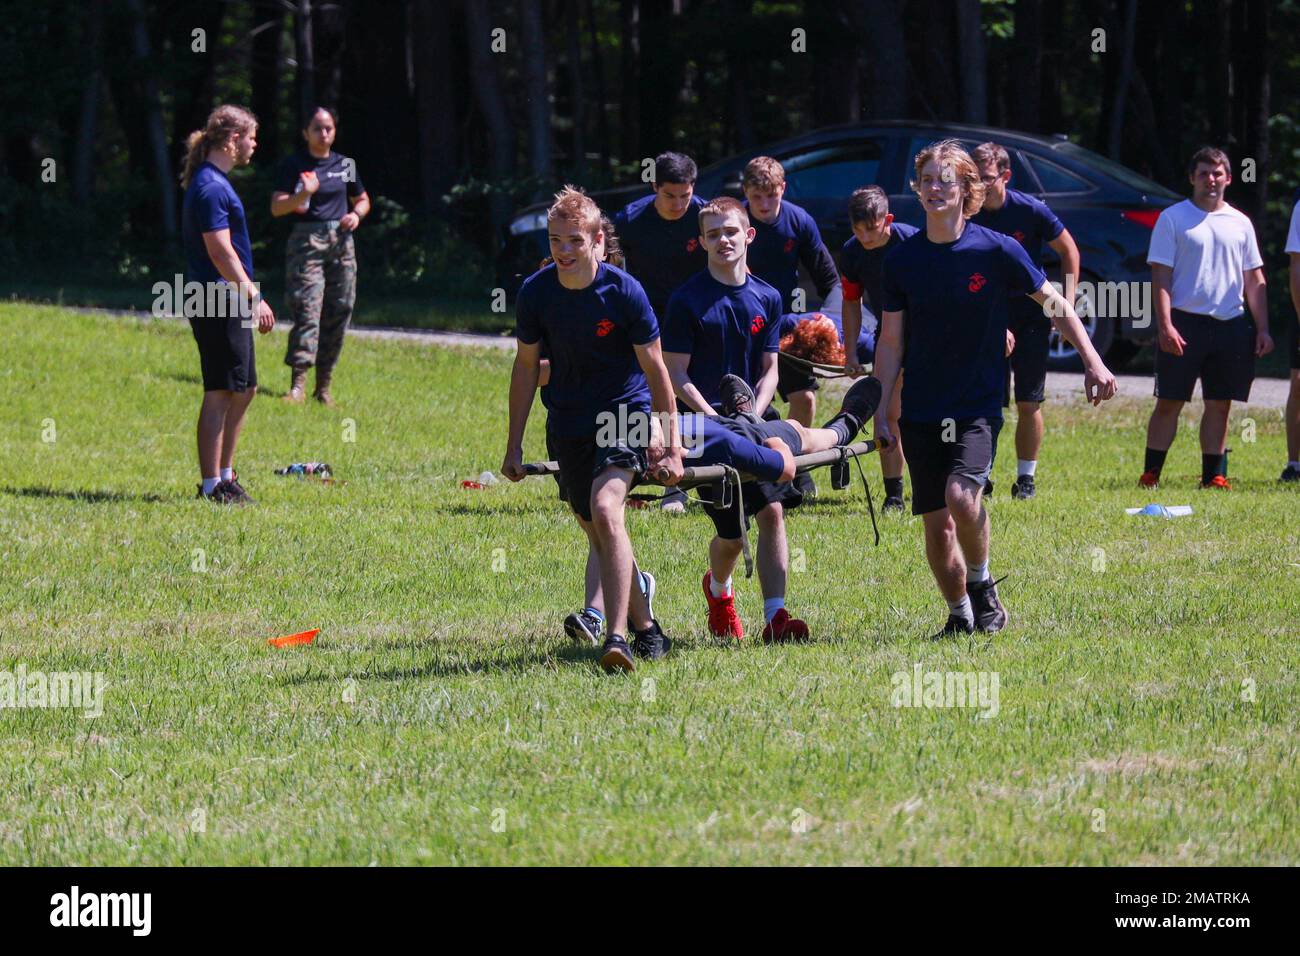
column 321, row 288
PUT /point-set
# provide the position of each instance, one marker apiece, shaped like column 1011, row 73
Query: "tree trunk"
column 154, row 119
column 306, row 73
column 973, row 53
column 887, row 62
column 327, row 44
column 577, row 89
column 435, row 110
column 265, row 75
column 630, row 83
column 492, row 104
column 83, row 168
column 1024, row 81
column 598, row 72
column 1115, row 137
column 537, row 88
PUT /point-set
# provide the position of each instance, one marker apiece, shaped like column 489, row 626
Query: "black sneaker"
column 956, row 625
column 652, row 643
column 804, row 484
column 990, row 615
column 222, row 494
column 893, row 503
column 1023, row 487
column 1290, row 474
column 861, row 400
column 988, row 487
column 241, row 496
column 616, row 655
column 583, row 628
column 737, row 396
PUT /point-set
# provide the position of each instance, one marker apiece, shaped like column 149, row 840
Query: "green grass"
column 1121, row 680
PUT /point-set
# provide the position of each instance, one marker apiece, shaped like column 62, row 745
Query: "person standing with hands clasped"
column 316, row 186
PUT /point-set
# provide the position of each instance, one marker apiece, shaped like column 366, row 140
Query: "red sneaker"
column 723, row 620
column 784, row 628
column 1218, row 481
column 1150, row 479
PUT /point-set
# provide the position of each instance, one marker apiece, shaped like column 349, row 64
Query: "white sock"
column 1024, row 467
column 962, row 609
column 771, row 606
column 209, row 484
column 975, row 573
column 719, row 590
column 227, row 474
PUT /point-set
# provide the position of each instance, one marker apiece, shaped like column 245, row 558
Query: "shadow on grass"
column 570, row 655
column 88, row 497
column 189, row 379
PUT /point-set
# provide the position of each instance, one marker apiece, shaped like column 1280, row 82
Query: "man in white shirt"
column 1292, row 472
column 1205, row 267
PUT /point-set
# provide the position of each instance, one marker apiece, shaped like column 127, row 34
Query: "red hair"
column 816, row 340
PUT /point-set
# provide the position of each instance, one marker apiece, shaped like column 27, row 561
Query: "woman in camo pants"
column 321, row 190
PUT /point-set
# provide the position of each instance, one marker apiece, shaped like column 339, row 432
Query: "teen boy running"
column 606, row 372
column 945, row 320
column 862, row 261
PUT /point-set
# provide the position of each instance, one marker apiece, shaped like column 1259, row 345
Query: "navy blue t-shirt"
column 338, row 179
column 661, row 253
column 724, row 328
column 955, row 296
column 211, row 204
column 779, row 247
column 1028, row 221
column 862, row 279
column 588, row 335
column 712, row 441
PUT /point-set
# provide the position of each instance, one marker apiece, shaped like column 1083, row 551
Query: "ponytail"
column 223, row 123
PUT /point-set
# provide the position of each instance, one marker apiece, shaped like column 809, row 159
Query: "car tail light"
column 1143, row 217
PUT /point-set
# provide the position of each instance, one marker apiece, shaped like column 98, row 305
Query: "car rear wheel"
column 1061, row 355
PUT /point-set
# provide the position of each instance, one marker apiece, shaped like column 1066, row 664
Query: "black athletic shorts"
column 931, row 460
column 1220, row 352
column 791, row 377
column 1028, row 362
column 757, row 494
column 225, row 353
column 581, row 460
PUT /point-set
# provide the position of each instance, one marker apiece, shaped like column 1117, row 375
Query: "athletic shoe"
column 956, row 625
column 241, row 496
column 737, row 396
column 990, row 615
column 1023, row 487
column 804, row 484
column 583, row 628
column 861, row 400
column 648, row 589
column 724, row 622
column 222, row 494
column 674, row 502
column 894, row 503
column 1150, row 479
column 652, row 643
column 1218, row 481
column 616, row 655
column 784, row 629
column 988, row 487
column 1290, row 474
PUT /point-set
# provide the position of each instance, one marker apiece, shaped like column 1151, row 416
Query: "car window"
column 1058, row 180
column 832, row 172
column 1111, row 168
column 1021, row 177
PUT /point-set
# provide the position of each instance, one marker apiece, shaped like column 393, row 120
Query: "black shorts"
column 225, row 353
column 931, row 460
column 791, row 377
column 1028, row 362
column 581, row 460
column 1220, row 352
column 757, row 494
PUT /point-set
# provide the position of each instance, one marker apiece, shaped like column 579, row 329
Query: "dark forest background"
column 450, row 137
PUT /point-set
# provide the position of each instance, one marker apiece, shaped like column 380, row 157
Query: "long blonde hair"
column 223, row 122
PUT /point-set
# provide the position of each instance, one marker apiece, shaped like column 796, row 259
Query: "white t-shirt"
column 1209, row 252
column 1293, row 237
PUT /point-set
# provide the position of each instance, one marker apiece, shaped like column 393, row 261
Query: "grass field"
column 1147, row 708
